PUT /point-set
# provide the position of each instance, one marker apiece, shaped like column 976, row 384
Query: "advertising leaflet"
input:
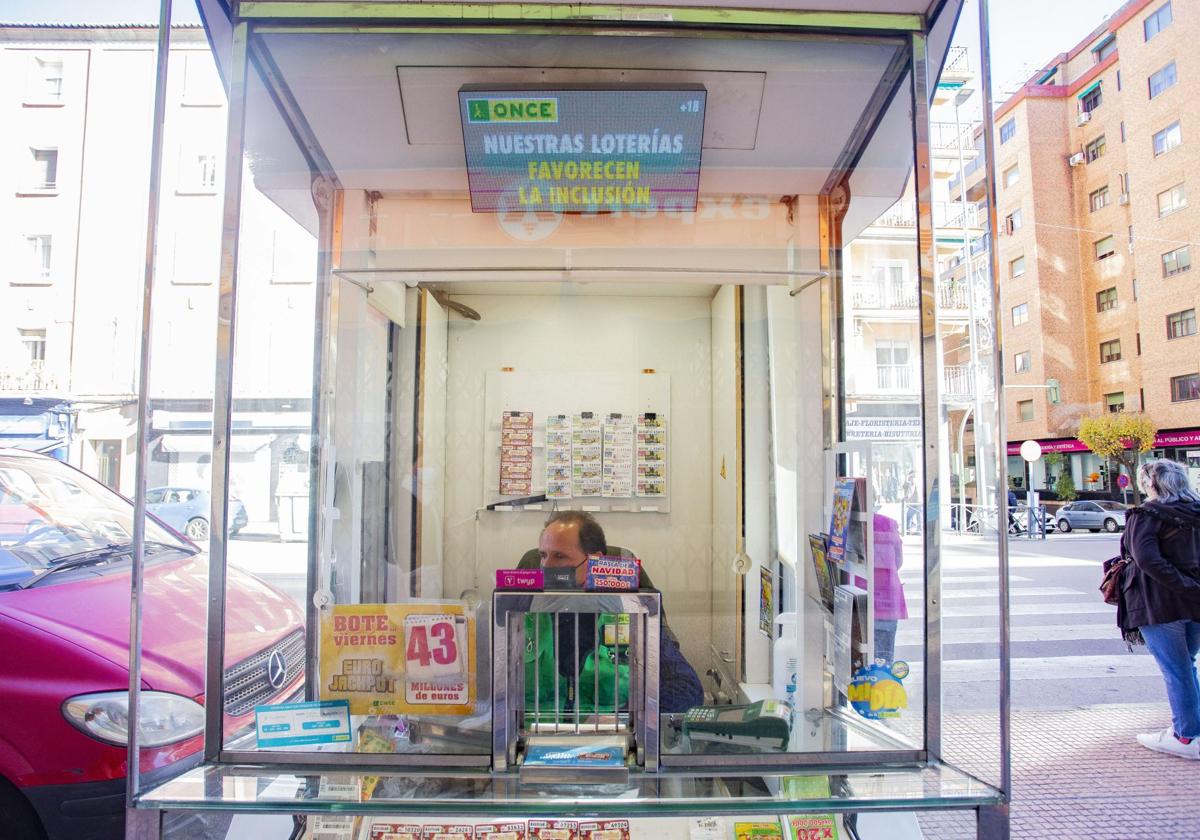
column 448, row 832
column 500, row 831
column 618, row 457
column 558, row 456
column 757, row 831
column 605, row 572
column 586, row 454
column 604, row 830
column 651, row 455
column 839, row 524
column 516, row 453
column 520, row 579
column 766, row 600
column 399, row 658
column 553, row 830
column 820, row 564
column 812, row 827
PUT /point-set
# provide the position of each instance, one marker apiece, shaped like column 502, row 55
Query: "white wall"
column 585, row 335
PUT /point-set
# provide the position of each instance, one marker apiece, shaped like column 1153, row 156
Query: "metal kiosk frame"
column 487, row 789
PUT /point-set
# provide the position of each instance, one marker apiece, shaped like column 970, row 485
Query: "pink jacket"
column 889, row 556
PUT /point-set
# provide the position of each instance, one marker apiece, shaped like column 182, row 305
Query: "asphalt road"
column 1065, row 648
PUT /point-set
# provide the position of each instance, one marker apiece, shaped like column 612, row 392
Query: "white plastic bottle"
column 784, row 659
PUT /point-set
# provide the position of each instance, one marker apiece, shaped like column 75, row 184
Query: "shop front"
column 595, row 544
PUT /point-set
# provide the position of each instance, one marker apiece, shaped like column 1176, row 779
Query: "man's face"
column 559, row 547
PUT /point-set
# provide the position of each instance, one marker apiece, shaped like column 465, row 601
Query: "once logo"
column 512, row 110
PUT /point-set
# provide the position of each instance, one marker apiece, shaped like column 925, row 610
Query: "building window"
column 1022, row 363
column 38, row 258
column 1011, row 176
column 35, row 345
column 1167, row 139
column 201, row 84
column 1171, row 200
column 1181, row 324
column 1177, row 261
column 1017, row 267
column 1095, row 149
column 1135, row 289
column 1157, row 21
column 1008, row 130
column 45, row 81
column 891, row 361
column 1105, row 48
column 108, row 462
column 1025, row 409
column 1092, row 100
column 1115, row 402
column 1162, row 80
column 1110, row 351
column 44, row 175
column 1012, row 222
column 197, row 171
column 1020, row 314
column 1105, row 248
column 1185, row 387
column 1106, row 299
column 1098, row 198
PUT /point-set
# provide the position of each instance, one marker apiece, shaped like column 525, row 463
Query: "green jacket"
column 541, row 673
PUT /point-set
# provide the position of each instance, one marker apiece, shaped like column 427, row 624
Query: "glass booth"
column 579, row 541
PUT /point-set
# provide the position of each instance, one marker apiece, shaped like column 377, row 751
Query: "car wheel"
column 1110, row 525
column 197, row 529
column 1064, row 526
column 17, row 816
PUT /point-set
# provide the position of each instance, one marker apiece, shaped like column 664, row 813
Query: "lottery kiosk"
column 591, row 265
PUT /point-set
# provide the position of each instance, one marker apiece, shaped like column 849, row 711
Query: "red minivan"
column 64, row 652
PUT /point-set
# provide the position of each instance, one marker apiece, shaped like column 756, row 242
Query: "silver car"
column 1094, row 516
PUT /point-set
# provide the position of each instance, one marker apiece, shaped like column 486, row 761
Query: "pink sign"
column 1188, row 437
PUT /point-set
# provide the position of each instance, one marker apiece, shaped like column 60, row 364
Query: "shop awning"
column 1178, row 437
column 202, row 444
column 1088, row 89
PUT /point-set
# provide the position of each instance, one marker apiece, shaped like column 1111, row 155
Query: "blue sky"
column 1019, row 46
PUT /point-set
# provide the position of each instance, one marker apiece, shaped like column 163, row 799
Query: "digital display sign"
column 582, row 150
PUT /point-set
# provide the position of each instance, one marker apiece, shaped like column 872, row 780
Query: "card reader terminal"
column 766, row 723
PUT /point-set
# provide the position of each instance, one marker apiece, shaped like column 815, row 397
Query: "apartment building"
column 1095, row 161
column 77, row 104
column 881, row 317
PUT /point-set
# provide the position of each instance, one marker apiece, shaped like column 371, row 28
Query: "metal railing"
column 893, row 377
column 946, row 214
column 958, row 381
column 27, row 380
column 952, row 137
column 958, row 60
column 870, row 295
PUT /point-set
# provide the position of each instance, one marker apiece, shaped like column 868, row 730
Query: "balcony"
column 30, row 379
column 893, row 377
column 953, row 295
column 946, row 215
column 970, row 169
column 954, row 137
column 958, row 383
column 958, row 64
column 869, row 295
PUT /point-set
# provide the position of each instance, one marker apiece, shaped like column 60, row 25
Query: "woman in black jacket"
column 1162, row 596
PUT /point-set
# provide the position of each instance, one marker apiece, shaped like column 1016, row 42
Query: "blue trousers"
column 1174, row 646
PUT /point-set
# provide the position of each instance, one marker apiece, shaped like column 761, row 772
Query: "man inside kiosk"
column 567, row 540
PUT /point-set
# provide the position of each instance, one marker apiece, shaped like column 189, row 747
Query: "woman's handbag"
column 1110, row 586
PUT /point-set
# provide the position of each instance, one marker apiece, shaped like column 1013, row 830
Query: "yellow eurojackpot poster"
column 399, row 658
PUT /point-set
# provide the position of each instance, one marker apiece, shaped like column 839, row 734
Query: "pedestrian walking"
column 1161, row 594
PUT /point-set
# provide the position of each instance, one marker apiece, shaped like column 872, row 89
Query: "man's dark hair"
column 591, row 535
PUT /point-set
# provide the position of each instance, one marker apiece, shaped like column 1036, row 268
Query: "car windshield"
column 50, row 512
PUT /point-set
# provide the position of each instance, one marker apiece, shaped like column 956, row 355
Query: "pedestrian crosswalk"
column 1061, row 630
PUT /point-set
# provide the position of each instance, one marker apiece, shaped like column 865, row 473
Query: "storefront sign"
column 584, row 150
column 883, row 428
column 1187, row 437
column 399, row 658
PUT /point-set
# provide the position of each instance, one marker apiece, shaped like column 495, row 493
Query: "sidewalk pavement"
column 1078, row 773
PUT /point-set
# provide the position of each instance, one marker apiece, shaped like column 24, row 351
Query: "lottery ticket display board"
column 399, row 658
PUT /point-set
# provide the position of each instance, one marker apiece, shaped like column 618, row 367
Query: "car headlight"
column 163, row 718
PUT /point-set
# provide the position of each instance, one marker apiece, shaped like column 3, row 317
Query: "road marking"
column 1048, row 668
column 1031, row 592
column 989, row 635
